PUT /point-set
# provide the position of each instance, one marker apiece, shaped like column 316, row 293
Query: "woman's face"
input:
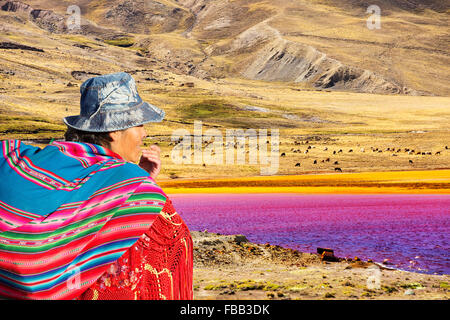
column 127, row 143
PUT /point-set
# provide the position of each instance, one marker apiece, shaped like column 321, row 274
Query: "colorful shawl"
column 68, row 212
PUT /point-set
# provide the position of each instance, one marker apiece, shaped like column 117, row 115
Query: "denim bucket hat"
column 111, row 103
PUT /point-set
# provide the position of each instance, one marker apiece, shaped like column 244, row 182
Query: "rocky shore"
column 229, row 267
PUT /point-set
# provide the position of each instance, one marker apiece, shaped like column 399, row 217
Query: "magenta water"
column 411, row 231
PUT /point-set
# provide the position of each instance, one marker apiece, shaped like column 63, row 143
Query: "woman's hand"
column 150, row 160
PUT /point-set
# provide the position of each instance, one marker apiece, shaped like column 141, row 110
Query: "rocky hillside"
column 283, row 60
column 320, row 44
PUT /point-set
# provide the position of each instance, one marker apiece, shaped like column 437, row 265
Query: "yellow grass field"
column 401, row 182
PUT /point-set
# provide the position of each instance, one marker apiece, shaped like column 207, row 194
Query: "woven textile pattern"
column 157, row 267
column 68, row 212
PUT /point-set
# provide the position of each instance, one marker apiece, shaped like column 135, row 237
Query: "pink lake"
column 412, row 231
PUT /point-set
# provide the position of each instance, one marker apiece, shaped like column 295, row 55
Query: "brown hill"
column 321, row 44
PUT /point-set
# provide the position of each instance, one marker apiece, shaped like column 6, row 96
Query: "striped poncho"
column 67, row 213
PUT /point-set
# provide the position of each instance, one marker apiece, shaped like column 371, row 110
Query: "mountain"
column 321, row 44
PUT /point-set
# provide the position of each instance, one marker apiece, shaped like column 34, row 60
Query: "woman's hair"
column 100, row 138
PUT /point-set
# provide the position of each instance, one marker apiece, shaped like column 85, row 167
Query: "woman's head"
column 126, row 143
column 111, row 103
column 100, row 138
column 112, row 115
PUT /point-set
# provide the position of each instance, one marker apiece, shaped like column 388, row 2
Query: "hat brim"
column 115, row 121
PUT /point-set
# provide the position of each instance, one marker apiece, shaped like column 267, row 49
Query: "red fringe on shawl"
column 158, row 266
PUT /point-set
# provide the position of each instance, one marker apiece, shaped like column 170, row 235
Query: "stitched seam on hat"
column 119, row 111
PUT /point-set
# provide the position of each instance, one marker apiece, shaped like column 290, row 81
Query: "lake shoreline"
column 229, row 267
column 236, row 271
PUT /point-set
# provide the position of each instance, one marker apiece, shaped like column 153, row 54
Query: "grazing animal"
column 283, row 154
column 362, row 150
column 446, row 147
column 327, row 160
column 336, row 162
column 306, row 151
column 351, row 150
column 338, row 169
column 334, row 152
column 438, row 152
column 325, row 149
column 410, row 161
column 315, row 161
column 297, row 164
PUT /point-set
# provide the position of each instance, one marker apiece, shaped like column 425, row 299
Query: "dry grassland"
column 356, row 132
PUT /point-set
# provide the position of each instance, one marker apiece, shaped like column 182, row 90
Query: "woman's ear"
column 115, row 135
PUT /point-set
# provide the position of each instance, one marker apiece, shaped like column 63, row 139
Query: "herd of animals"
column 394, row 151
column 308, row 148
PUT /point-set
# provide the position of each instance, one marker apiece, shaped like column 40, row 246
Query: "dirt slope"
column 321, row 44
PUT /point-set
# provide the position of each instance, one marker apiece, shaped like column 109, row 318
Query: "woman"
column 80, row 220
